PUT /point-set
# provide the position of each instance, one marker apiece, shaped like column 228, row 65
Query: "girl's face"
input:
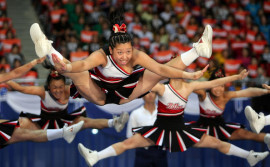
column 57, row 88
column 122, row 53
column 218, row 91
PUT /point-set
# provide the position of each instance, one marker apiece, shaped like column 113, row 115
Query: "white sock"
column 53, row 134
column 189, row 56
column 239, row 152
column 110, row 123
column 57, row 54
column 267, row 138
column 107, row 152
column 267, row 120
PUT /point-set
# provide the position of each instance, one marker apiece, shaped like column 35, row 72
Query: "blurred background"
column 162, row 29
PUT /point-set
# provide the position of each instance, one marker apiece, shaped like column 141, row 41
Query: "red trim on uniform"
column 179, row 142
column 225, row 134
column 215, row 103
column 177, row 92
column 101, row 76
column 119, row 66
column 138, row 70
column 192, row 138
column 159, row 138
column 1, row 133
column 149, row 131
column 162, row 108
column 215, row 135
column 45, row 124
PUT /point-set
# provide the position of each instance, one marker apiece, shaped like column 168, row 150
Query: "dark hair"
column 54, row 75
column 116, row 17
column 217, row 73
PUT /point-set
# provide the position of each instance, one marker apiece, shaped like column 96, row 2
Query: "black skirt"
column 170, row 133
column 6, row 130
column 216, row 127
column 114, row 92
column 55, row 120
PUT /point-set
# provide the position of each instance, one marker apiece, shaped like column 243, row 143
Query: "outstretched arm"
column 249, row 92
column 20, row 71
column 217, row 82
column 93, row 60
column 32, row 90
column 165, row 71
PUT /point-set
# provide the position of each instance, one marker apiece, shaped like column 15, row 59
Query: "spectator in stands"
column 180, row 35
column 164, row 36
column 156, row 22
column 14, row 54
column 146, row 33
column 167, row 13
column 72, row 43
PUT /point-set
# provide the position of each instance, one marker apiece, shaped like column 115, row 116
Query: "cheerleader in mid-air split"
column 169, row 131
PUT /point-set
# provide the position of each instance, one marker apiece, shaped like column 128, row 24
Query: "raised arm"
column 158, row 89
column 165, row 71
column 249, row 92
column 217, row 82
column 32, row 90
column 20, row 71
column 201, row 94
column 93, row 60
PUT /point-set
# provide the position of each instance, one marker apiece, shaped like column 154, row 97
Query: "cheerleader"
column 13, row 132
column 169, row 131
column 212, row 104
column 54, row 103
column 117, row 72
column 257, row 121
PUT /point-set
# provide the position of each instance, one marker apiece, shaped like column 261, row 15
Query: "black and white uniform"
column 169, row 130
column 6, row 130
column 211, row 119
column 54, row 114
column 114, row 81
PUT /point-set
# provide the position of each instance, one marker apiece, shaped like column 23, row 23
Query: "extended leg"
column 92, row 157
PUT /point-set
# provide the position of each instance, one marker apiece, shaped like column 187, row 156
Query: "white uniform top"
column 111, row 73
column 140, row 117
column 171, row 103
column 208, row 108
column 50, row 104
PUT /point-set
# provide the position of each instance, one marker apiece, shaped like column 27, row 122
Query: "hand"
column 243, row 74
column 59, row 65
column 266, row 86
column 199, row 74
column 40, row 60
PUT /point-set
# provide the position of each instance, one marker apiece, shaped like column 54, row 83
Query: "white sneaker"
column 204, row 45
column 254, row 157
column 119, row 122
column 256, row 121
column 43, row 46
column 91, row 157
column 69, row 132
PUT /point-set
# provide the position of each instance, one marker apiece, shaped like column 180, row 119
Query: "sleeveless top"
column 208, row 108
column 112, row 72
column 50, row 104
column 171, row 103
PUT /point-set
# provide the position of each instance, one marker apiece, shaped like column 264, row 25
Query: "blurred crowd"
column 10, row 47
column 161, row 28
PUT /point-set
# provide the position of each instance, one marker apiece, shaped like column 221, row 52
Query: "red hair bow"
column 219, row 74
column 122, row 28
column 54, row 74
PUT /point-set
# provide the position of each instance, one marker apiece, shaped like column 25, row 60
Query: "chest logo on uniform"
column 174, row 106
